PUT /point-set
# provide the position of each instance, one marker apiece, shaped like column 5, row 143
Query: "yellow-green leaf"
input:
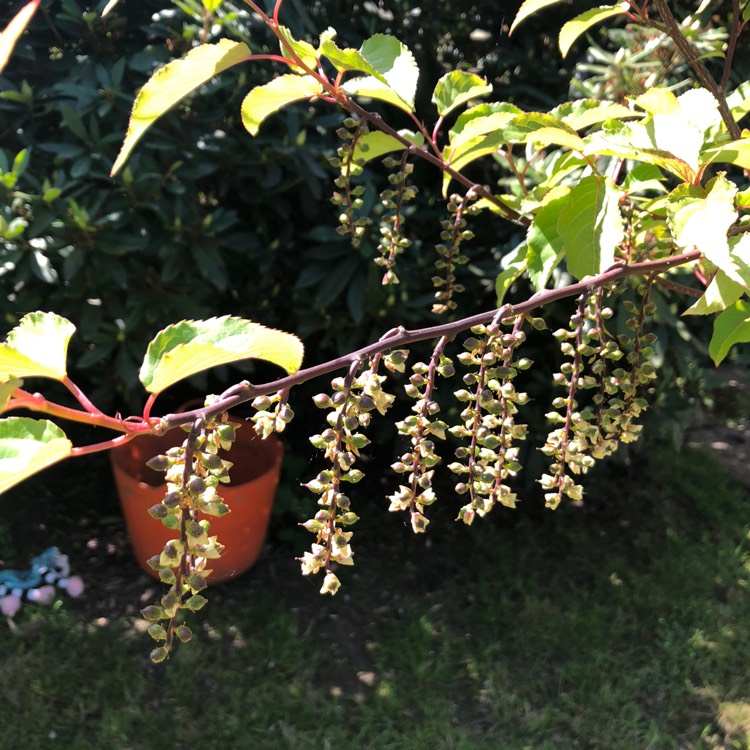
column 583, row 113
column 372, row 88
column 591, row 226
column 12, row 32
column 27, row 446
column 658, row 101
column 264, row 100
column 736, row 152
column 730, row 327
column 528, row 7
column 304, row 50
column 703, row 223
column 456, row 88
column 513, row 265
column 36, row 347
column 7, row 387
column 719, row 295
column 395, row 63
column 174, row 82
column 191, row 346
column 582, row 23
column 375, row 143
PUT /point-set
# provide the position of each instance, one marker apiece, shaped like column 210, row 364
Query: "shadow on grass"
column 619, row 625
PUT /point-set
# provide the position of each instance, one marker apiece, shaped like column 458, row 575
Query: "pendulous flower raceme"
column 418, row 463
column 353, row 399
column 193, row 472
column 593, row 430
column 488, row 418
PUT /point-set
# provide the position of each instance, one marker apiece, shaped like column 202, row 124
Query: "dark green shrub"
column 124, row 258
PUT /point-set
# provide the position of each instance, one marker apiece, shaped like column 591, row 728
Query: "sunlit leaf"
column 172, row 83
column 304, row 50
column 739, row 99
column 36, row 347
column 582, row 23
column 264, row 100
column 736, row 152
column 529, row 7
column 482, row 119
column 546, row 245
column 623, row 144
column 191, row 346
column 730, row 327
column 542, row 130
column 470, row 151
column 591, row 226
column 347, row 59
column 375, row 143
column 395, row 63
column 109, row 7
column 27, row 446
column 583, row 113
column 702, row 223
column 719, row 295
column 658, row 101
column 456, row 88
column 12, row 32
column 514, row 264
column 7, row 387
column 372, row 88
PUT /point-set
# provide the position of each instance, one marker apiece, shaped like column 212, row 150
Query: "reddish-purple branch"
column 400, row 337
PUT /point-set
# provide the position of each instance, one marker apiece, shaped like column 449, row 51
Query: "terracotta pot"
column 250, row 495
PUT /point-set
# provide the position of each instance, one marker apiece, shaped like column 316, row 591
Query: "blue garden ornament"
column 37, row 584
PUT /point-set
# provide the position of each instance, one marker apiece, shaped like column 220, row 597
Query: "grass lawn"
column 620, row 625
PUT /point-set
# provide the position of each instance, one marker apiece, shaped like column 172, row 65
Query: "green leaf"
column 719, row 295
column 347, row 59
column 730, row 327
column 304, row 50
column 644, row 177
column 670, row 138
column 542, row 130
column 580, row 24
column 591, row 226
column 372, row 88
column 739, row 99
column 622, row 144
column 395, row 63
column 482, row 119
column 457, row 88
column 702, row 223
column 583, row 113
column 27, row 446
column 476, row 133
column 36, row 347
column 528, row 7
column 468, row 152
column 174, row 82
column 514, row 264
column 191, row 346
column 658, row 101
column 264, row 100
column 7, row 387
column 546, row 245
column 391, row 72
column 374, row 144
column 736, row 152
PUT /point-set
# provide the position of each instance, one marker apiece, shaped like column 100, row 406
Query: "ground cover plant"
column 616, row 199
column 612, row 625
